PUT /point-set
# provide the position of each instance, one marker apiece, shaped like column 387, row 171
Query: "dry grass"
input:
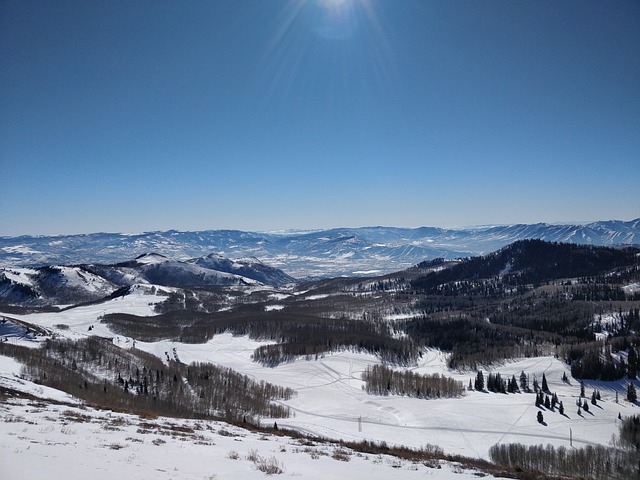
column 342, row 455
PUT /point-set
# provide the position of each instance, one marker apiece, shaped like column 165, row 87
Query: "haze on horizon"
column 308, row 114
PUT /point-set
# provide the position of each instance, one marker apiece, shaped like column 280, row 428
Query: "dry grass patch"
column 76, row 417
column 342, row 455
column 115, row 446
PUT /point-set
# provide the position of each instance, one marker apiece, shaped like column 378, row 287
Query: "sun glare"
column 334, row 3
column 304, row 26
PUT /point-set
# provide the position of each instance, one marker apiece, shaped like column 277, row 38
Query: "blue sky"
column 259, row 115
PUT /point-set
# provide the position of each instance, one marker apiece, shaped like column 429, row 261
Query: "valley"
column 534, row 312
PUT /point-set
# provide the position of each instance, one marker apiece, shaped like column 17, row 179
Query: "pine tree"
column 545, row 387
column 582, row 389
column 632, row 395
column 540, row 417
column 524, row 383
column 513, row 384
column 561, row 408
column 585, row 406
column 632, row 363
column 593, row 398
column 479, row 381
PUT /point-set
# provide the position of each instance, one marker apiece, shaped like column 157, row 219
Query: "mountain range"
column 309, row 254
column 60, row 285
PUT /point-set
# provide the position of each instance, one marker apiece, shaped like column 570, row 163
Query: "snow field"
column 44, row 441
column 331, row 402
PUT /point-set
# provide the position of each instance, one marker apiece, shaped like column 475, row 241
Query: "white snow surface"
column 330, row 403
column 41, row 441
column 79, row 278
column 271, row 308
column 631, row 288
column 20, row 275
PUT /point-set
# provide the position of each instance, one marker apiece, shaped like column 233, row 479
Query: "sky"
column 264, row 115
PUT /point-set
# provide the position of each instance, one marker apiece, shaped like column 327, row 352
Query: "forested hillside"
column 530, row 298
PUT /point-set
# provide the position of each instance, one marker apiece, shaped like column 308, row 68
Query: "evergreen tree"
column 632, row 363
column 524, row 383
column 582, row 389
column 593, row 398
column 545, row 387
column 513, row 385
column 561, row 408
column 632, row 395
column 479, row 381
column 540, row 417
column 585, row 406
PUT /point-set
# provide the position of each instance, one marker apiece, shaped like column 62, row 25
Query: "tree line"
column 382, row 380
column 591, row 462
column 107, row 375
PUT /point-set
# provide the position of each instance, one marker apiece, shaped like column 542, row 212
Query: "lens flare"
column 309, row 29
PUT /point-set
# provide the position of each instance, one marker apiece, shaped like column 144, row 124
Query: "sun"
column 337, row 19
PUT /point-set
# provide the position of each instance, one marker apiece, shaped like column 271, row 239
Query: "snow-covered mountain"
column 52, row 285
column 322, row 253
column 60, row 285
column 245, row 267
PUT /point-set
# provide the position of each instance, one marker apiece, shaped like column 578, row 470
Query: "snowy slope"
column 246, row 267
column 330, row 401
column 52, row 285
column 62, row 285
column 43, row 441
column 158, row 269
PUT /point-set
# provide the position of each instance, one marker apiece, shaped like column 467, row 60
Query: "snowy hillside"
column 57, row 285
column 62, row 285
column 331, row 402
column 46, row 440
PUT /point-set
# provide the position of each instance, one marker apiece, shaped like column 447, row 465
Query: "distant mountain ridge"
column 310, row 254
